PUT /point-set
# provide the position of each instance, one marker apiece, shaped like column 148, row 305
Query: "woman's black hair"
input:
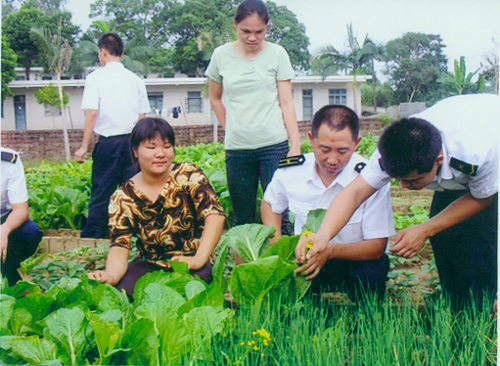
column 249, row 7
column 147, row 129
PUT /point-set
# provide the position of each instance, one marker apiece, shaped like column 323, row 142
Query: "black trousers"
column 466, row 254
column 22, row 244
column 111, row 167
column 356, row 278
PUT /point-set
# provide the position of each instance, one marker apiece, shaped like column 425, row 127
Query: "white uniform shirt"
column 13, row 183
column 469, row 128
column 300, row 188
column 119, row 95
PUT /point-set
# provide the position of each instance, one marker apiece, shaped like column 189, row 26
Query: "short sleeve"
column 485, row 183
column 275, row 194
column 203, row 195
column 378, row 220
column 91, row 97
column 144, row 106
column 120, row 208
column 373, row 173
column 16, row 183
column 285, row 69
column 213, row 68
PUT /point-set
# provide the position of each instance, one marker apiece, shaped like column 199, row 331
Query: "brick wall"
column 42, row 144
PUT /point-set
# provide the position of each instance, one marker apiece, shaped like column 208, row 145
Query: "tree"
column 352, row 60
column 16, row 28
column 9, row 63
column 189, row 20
column 414, row 63
column 48, row 7
column 460, row 82
column 285, row 30
column 490, row 71
column 58, row 53
column 143, row 19
column 49, row 96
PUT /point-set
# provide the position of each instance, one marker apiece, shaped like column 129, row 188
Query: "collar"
column 114, row 64
column 343, row 178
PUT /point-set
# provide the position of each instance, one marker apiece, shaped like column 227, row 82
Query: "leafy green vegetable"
column 250, row 241
column 251, row 282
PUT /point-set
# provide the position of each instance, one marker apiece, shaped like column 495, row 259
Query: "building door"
column 20, row 111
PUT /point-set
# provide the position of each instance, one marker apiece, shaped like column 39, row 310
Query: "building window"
column 51, row 110
column 194, row 102
column 21, row 77
column 47, row 77
column 156, row 102
column 307, row 104
column 337, row 96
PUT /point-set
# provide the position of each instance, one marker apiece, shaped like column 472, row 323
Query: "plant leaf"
column 284, row 248
column 193, row 288
column 314, row 219
column 250, row 282
column 35, row 351
column 179, row 267
column 250, row 240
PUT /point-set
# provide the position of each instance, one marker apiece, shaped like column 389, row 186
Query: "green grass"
column 323, row 334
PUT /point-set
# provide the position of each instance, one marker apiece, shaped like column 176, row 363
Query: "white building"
column 180, row 100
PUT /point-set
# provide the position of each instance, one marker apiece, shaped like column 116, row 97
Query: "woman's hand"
column 294, row 150
column 101, row 276
column 194, row 263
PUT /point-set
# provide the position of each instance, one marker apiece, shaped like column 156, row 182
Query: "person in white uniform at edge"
column 355, row 261
column 452, row 148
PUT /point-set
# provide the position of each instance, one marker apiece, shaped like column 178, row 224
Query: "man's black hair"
column 112, row 43
column 337, row 117
column 409, row 144
column 250, row 7
column 147, row 129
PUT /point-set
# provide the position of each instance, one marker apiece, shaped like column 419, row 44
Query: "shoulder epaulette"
column 292, row 160
column 466, row 168
column 359, row 166
column 10, row 157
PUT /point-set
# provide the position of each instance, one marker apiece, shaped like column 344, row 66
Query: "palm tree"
column 355, row 58
column 58, row 53
column 460, row 80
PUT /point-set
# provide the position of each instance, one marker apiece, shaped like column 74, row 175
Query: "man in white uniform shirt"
column 19, row 236
column 354, row 261
column 115, row 99
column 452, row 148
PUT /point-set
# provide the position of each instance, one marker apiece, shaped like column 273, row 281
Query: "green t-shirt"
column 253, row 115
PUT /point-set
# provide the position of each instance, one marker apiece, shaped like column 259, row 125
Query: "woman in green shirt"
column 256, row 110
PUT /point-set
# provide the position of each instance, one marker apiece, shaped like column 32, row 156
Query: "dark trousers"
column 359, row 279
column 244, row 169
column 466, row 254
column 139, row 268
column 22, row 244
column 111, row 167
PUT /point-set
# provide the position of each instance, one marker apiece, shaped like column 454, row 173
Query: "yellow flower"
column 256, row 348
column 264, row 334
column 262, row 354
column 242, row 343
column 265, row 342
column 306, row 233
column 251, row 343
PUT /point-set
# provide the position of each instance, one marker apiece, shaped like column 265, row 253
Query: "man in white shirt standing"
column 451, row 148
column 354, row 261
column 114, row 99
column 19, row 236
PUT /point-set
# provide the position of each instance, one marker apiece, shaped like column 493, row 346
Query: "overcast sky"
column 466, row 26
